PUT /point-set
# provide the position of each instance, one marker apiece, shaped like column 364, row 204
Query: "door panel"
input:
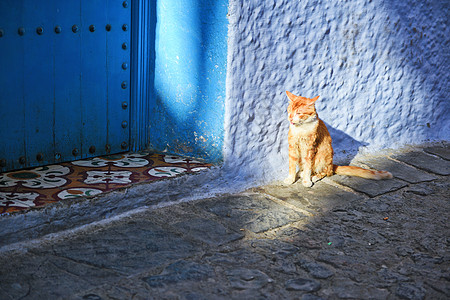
column 12, row 107
column 93, row 81
column 67, row 49
column 38, row 81
column 63, row 80
column 118, row 66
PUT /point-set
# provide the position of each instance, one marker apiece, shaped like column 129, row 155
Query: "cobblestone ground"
column 344, row 238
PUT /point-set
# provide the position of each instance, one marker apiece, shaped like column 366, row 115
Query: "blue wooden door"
column 64, row 80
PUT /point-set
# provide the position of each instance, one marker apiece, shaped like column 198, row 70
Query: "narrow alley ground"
column 344, row 238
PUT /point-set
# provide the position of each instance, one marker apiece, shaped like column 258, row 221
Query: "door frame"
column 143, row 28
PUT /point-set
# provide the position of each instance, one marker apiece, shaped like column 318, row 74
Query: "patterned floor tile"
column 33, row 188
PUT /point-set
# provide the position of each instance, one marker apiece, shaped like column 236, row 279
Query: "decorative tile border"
column 32, row 188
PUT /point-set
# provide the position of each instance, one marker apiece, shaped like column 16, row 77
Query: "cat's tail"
column 361, row 172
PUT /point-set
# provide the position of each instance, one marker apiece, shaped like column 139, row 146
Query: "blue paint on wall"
column 187, row 105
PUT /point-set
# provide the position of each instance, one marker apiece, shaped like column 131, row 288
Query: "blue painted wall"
column 187, row 105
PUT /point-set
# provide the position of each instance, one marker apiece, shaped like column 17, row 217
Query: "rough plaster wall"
column 380, row 67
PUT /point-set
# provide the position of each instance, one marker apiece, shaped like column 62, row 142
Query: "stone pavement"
column 344, row 238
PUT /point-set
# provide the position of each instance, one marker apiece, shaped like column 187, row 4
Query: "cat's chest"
column 303, row 130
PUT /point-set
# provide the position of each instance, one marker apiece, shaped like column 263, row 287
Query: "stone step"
column 439, row 150
column 320, row 198
column 256, row 212
column 398, row 170
column 425, row 162
column 370, row 187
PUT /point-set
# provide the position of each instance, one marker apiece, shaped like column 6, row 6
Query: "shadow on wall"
column 345, row 147
column 419, row 34
column 388, row 65
column 187, row 105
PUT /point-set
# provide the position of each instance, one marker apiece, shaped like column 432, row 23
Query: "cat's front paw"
column 289, row 180
column 307, row 183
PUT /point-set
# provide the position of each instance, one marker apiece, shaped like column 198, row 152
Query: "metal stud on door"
column 64, row 78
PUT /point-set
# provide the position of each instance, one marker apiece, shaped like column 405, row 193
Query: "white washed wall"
column 380, row 67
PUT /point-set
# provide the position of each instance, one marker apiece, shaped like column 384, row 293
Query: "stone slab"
column 243, row 278
column 45, row 276
column 180, row 271
column 399, row 170
column 348, row 289
column 302, row 284
column 255, row 213
column 241, row 257
column 317, row 270
column 439, row 150
column 320, row 197
column 269, row 247
column 127, row 249
column 425, row 162
column 370, row 187
column 207, row 231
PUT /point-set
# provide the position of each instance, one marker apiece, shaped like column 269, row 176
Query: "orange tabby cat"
column 310, row 146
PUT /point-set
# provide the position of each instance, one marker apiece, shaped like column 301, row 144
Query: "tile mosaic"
column 33, row 188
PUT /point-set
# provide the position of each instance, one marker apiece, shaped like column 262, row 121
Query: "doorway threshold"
column 34, row 188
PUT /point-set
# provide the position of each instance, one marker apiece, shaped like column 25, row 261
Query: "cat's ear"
column 291, row 96
column 313, row 100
